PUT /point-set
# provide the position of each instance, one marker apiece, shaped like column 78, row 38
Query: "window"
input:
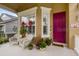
column 45, row 26
column 45, row 21
column 32, row 29
column 29, row 15
column 45, row 30
column 29, row 23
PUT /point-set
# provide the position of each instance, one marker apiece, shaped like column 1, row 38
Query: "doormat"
column 58, row 45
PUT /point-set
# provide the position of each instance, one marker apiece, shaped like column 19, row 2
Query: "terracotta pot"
column 23, row 35
column 42, row 49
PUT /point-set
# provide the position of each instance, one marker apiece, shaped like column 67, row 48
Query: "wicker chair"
column 23, row 42
column 13, row 40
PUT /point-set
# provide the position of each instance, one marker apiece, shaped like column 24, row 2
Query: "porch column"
column 38, row 22
column 19, row 20
column 51, row 24
column 72, row 20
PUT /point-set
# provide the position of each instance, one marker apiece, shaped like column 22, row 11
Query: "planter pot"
column 23, row 35
column 42, row 49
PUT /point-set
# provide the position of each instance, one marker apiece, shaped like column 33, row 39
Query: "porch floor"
column 15, row 50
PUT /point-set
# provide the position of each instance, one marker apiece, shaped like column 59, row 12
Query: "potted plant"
column 30, row 46
column 23, row 30
column 42, row 45
column 48, row 41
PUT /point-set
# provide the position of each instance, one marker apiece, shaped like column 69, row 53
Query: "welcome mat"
column 58, row 45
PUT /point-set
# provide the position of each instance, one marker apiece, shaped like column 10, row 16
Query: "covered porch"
column 41, row 28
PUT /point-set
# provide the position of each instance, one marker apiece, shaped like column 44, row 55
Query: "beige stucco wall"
column 59, row 7
column 72, row 20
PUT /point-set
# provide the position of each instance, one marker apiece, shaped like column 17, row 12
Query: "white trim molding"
column 45, row 13
column 57, row 43
column 29, row 12
column 76, row 40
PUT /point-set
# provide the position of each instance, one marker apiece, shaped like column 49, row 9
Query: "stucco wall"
column 72, row 20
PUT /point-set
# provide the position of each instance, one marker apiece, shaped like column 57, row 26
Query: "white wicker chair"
column 23, row 42
column 13, row 40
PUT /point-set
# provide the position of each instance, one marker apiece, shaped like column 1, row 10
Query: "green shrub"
column 42, row 44
column 3, row 40
column 48, row 41
column 23, row 31
column 6, row 40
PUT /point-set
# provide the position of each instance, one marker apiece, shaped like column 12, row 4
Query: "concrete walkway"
column 15, row 50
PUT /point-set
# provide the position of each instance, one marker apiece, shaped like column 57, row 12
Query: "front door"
column 59, row 27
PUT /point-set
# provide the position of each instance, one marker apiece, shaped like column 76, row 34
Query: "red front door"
column 59, row 27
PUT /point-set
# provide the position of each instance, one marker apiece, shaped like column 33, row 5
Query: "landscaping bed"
column 42, row 43
column 3, row 40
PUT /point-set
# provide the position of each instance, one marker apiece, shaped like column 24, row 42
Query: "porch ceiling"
column 19, row 6
column 22, row 6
